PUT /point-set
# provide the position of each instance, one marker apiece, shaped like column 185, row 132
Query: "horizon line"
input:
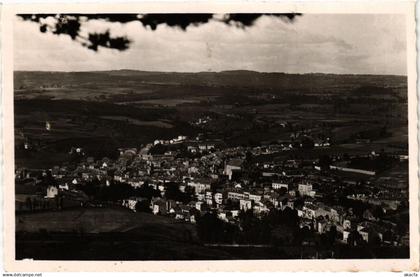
column 221, row 71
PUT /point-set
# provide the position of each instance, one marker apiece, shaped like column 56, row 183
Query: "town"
column 240, row 195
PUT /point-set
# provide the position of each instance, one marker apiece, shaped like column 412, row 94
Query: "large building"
column 231, row 167
column 306, row 190
column 200, row 185
column 279, row 186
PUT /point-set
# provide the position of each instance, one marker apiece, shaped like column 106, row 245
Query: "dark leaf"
column 69, row 24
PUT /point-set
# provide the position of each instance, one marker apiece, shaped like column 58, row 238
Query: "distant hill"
column 233, row 78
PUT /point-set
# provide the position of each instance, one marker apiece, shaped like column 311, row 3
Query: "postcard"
column 209, row 136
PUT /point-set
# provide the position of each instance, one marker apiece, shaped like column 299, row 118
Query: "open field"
column 85, row 234
column 133, row 121
column 97, row 220
column 100, row 247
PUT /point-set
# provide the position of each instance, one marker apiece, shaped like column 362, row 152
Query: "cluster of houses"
column 29, row 198
column 215, row 176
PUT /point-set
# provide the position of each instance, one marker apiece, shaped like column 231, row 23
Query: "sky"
column 335, row 43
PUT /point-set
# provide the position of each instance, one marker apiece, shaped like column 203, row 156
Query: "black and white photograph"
column 148, row 136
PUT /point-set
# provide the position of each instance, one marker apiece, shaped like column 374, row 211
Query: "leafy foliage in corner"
column 70, row 24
